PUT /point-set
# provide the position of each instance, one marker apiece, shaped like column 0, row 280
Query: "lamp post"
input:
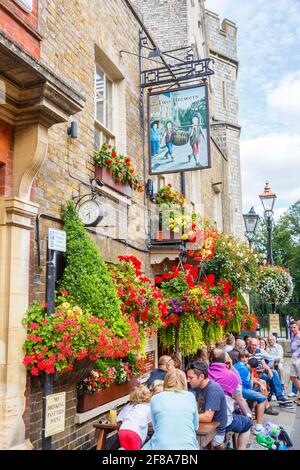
column 251, row 221
column 268, row 200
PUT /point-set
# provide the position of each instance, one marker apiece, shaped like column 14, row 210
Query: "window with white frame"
column 104, row 111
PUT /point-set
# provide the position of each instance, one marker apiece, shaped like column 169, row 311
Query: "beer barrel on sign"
column 180, row 137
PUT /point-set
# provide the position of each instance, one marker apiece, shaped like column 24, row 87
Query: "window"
column 104, row 116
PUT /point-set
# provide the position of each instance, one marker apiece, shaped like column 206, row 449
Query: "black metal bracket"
column 183, row 66
column 181, row 71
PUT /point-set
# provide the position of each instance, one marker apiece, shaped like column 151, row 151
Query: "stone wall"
column 224, row 107
column 167, row 21
column 74, row 40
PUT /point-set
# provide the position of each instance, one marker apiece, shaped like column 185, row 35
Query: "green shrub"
column 86, row 276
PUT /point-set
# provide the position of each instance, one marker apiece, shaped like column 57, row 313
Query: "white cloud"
column 284, row 100
column 273, row 158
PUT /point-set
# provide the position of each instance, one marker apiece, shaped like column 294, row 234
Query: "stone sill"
column 88, row 415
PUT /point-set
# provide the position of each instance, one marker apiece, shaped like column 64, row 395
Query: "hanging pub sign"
column 179, row 130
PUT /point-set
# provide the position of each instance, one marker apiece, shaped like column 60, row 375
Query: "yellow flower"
column 184, row 237
column 66, row 305
column 176, row 230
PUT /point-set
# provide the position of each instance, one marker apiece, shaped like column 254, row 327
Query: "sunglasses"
column 194, row 365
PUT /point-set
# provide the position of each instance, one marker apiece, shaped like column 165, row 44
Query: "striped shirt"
column 260, row 355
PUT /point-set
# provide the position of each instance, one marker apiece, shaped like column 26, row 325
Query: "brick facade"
column 6, row 158
column 74, row 40
column 20, row 25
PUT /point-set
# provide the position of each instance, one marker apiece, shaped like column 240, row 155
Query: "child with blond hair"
column 135, row 417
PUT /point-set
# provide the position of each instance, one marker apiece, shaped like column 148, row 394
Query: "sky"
column 269, row 96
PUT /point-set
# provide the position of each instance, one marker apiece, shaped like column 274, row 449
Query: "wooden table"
column 206, row 433
column 103, row 430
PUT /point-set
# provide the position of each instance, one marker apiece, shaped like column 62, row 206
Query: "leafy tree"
column 286, row 243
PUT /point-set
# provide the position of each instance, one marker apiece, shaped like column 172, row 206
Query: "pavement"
column 289, row 419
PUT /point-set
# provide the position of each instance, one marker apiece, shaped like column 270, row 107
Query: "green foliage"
column 86, row 277
column 286, row 243
column 212, row 333
column 190, row 337
column 168, row 337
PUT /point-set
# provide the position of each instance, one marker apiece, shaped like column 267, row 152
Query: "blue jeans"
column 169, row 147
column 154, row 147
column 274, row 383
column 253, row 395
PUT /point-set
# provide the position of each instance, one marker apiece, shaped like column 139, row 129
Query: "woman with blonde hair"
column 135, row 417
column 174, row 416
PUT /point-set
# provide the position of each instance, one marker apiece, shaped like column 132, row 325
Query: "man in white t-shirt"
column 276, row 351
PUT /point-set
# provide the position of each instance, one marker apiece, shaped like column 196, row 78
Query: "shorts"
column 129, row 440
column 239, row 424
column 295, row 368
column 253, row 395
column 218, row 440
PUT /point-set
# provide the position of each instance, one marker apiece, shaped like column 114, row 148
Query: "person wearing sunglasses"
column 211, row 400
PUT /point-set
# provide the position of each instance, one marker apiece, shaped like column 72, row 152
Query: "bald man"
column 165, row 364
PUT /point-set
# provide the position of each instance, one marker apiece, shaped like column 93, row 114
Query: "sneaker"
column 292, row 394
column 271, row 411
column 286, row 404
column 282, row 400
column 297, row 401
column 258, row 428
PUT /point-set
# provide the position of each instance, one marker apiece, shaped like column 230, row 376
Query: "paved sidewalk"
column 289, row 419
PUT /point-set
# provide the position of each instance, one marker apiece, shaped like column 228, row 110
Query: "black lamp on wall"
column 73, row 130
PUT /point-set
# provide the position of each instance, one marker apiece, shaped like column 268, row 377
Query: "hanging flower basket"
column 105, row 175
column 274, row 284
column 105, row 395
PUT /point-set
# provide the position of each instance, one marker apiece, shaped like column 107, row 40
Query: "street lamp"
column 250, row 220
column 268, row 200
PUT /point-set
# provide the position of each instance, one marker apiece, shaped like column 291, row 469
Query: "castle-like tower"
column 187, row 23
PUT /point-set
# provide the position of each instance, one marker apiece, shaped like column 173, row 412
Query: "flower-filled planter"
column 105, row 395
column 274, row 284
column 116, row 171
column 105, row 175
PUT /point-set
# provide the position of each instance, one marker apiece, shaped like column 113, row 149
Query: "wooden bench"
column 102, row 430
column 206, row 433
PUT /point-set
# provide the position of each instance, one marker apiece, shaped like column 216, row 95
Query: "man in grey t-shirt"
column 211, row 399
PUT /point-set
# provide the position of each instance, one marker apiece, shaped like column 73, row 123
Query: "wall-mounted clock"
column 91, row 212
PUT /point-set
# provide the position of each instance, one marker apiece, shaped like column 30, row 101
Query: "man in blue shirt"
column 251, row 394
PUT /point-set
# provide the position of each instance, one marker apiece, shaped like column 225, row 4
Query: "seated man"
column 211, row 400
column 253, row 394
column 165, row 363
column 230, row 382
column 276, row 351
column 269, row 375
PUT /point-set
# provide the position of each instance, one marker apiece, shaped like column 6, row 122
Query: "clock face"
column 90, row 212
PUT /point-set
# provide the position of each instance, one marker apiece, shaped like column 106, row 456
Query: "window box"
column 105, row 395
column 105, row 175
